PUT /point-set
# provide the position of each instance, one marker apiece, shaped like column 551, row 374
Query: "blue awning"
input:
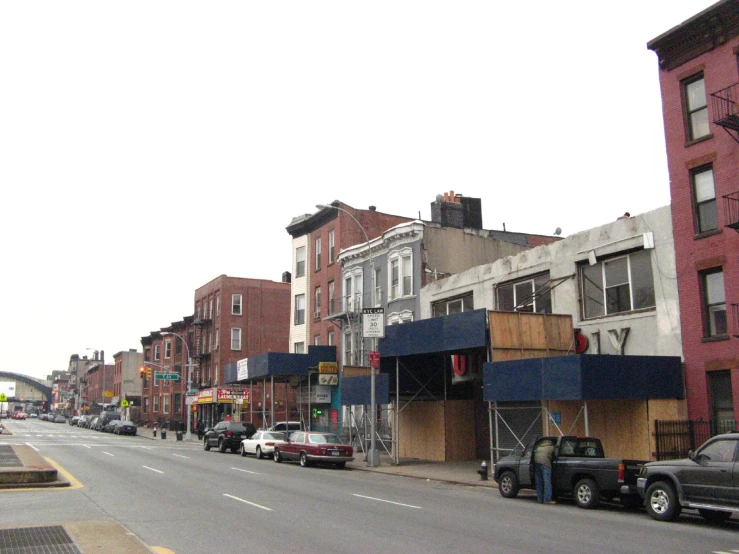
column 281, row 364
column 357, row 391
column 584, row 377
column 451, row 333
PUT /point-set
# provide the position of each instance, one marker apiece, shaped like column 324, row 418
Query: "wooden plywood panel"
column 422, row 431
column 357, row 371
column 524, row 335
column 460, row 430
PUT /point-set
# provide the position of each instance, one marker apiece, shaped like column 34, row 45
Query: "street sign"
column 373, row 323
column 124, row 403
column 3, row 398
column 325, row 379
column 374, row 358
column 167, row 376
column 328, row 367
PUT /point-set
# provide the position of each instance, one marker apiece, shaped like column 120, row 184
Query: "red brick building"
column 699, row 80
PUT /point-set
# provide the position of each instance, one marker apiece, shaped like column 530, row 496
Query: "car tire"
column 259, row 453
column 206, row 444
column 221, row 446
column 508, row 485
column 586, row 494
column 242, row 451
column 276, row 456
column 304, row 460
column 661, row 502
column 714, row 515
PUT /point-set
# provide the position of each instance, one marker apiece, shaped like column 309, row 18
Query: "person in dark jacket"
column 201, row 429
column 543, row 455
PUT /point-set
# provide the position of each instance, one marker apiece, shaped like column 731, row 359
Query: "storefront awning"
column 583, row 377
column 279, row 365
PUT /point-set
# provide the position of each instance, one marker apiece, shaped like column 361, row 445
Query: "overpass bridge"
column 42, row 391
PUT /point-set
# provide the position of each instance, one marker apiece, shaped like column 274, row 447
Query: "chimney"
column 457, row 211
column 286, row 277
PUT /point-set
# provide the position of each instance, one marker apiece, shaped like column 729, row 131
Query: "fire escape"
column 200, row 353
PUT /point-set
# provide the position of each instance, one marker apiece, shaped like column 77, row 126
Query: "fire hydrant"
column 483, row 471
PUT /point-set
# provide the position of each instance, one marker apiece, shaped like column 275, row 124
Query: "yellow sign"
column 328, row 367
column 3, row 398
column 108, row 394
column 124, row 403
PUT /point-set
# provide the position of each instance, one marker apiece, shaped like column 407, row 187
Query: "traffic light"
column 148, row 373
column 142, row 372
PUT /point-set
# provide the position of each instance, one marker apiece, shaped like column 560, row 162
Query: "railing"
column 725, row 104
column 675, row 438
column 731, row 210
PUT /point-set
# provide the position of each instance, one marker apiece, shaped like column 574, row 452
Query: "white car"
column 262, row 443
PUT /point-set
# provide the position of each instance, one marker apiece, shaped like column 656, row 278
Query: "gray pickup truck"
column 579, row 469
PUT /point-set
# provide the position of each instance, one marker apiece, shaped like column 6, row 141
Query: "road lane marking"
column 152, row 469
column 246, row 471
column 29, row 444
column 73, row 483
column 388, row 501
column 86, row 446
column 108, row 453
column 250, row 503
column 181, row 456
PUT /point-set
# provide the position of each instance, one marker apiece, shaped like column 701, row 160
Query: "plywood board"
column 460, row 430
column 422, row 431
column 524, row 335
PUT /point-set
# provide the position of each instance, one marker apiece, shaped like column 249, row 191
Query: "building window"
column 235, row 338
column 218, row 305
column 331, row 339
column 156, row 403
column 401, row 274
column 318, row 253
column 210, row 309
column 299, row 348
column 157, row 353
column 167, row 349
column 377, row 288
column 300, row 261
column 617, row 285
column 165, row 403
column 235, row 304
column 531, row 295
column 217, row 334
column 146, row 405
column 178, row 346
column 696, row 109
column 299, row 309
column 353, row 292
column 331, row 247
column 348, row 356
column 331, row 299
column 317, row 302
column 452, row 305
column 317, row 340
column 714, row 303
column 721, row 397
column 147, row 354
column 706, row 212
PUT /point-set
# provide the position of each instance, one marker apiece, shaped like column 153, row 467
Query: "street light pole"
column 373, row 459
column 188, row 435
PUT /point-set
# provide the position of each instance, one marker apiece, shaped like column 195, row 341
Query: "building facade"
column 699, row 82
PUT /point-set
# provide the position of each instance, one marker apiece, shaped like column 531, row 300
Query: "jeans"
column 543, row 475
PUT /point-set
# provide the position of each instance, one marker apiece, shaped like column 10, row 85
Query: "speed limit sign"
column 373, row 323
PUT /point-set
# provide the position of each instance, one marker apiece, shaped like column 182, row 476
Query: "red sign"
column 374, row 358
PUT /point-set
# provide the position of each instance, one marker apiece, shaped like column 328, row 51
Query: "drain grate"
column 37, row 540
column 8, row 457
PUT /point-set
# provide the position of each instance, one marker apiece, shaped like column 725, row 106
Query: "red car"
column 311, row 447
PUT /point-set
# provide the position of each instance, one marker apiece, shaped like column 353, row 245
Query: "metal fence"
column 675, row 438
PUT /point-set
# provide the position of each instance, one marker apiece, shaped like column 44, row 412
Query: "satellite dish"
column 558, row 231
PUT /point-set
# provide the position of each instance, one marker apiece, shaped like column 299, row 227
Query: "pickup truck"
column 579, row 469
column 707, row 481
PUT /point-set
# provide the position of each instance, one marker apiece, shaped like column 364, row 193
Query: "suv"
column 228, row 434
column 286, row 427
column 707, row 480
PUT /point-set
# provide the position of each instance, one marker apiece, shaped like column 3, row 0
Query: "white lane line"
column 108, row 453
column 388, row 501
column 29, row 444
column 246, row 471
column 86, row 446
column 152, row 469
column 180, row 456
column 247, row 502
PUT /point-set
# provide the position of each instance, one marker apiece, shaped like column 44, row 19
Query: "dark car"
column 110, row 426
column 228, row 435
column 707, row 480
column 105, row 419
column 311, row 447
column 125, row 427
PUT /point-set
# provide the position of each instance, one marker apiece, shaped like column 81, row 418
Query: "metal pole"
column 188, row 435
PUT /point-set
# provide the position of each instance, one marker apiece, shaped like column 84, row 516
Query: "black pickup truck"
column 579, row 469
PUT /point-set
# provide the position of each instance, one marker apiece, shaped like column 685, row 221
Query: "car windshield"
column 274, row 436
column 323, row 439
column 126, row 422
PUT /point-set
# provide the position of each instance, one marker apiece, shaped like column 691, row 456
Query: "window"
column 178, row 346
column 331, row 300
column 210, row 309
column 299, row 348
column 235, row 304
column 348, row 357
column 167, row 349
column 348, row 293
column 617, row 285
column 217, row 334
column 317, row 340
column 353, row 291
column 317, row 302
column 165, row 403
column 331, row 339
column 156, row 403
column 218, row 305
column 147, row 354
column 721, row 397
column 452, row 305
column 318, row 253
column 299, row 309
column 714, row 303
column 706, row 213
column 696, row 109
column 331, row 247
column 300, row 261
column 146, row 405
column 235, row 338
column 401, row 274
column 377, row 288
column 531, row 295
column 157, row 352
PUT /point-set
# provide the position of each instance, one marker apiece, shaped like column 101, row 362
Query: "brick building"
column 699, row 81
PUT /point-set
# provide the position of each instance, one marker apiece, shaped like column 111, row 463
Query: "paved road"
column 177, row 496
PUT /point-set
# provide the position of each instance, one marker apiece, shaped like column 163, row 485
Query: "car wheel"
column 276, row 456
column 587, row 494
column 714, row 515
column 662, row 503
column 508, row 485
column 206, row 444
column 242, row 451
column 304, row 460
column 221, row 446
column 259, row 453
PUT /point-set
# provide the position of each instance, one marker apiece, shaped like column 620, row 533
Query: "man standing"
column 543, row 454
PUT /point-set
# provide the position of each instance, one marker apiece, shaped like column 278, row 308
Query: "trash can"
column 179, row 435
column 163, row 432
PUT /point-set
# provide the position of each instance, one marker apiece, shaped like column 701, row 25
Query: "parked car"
column 311, row 447
column 110, row 425
column 19, row 415
column 227, row 434
column 84, row 421
column 33, row 415
column 262, row 443
column 579, row 469
column 707, row 480
column 60, row 419
column 94, row 423
column 74, row 420
column 286, row 426
column 105, row 418
column 125, row 427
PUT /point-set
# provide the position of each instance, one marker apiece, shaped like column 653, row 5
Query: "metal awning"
column 281, row 365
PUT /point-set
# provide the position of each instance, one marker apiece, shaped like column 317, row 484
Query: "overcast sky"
column 147, row 147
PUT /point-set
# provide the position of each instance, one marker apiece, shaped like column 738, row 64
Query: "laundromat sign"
column 208, row 396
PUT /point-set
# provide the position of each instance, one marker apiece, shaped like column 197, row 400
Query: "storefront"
column 218, row 403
